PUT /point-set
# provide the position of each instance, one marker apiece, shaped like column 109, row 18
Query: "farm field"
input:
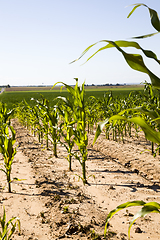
column 53, row 203
column 14, row 95
column 83, row 163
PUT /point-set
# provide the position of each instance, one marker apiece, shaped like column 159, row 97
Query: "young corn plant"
column 79, row 116
column 7, row 141
column 8, row 228
column 68, row 133
column 91, row 113
column 5, row 114
column 50, row 122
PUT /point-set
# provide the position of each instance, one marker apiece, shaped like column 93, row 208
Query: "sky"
column 39, row 39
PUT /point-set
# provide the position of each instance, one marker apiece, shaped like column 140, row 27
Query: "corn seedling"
column 51, row 119
column 79, row 116
column 8, row 151
column 5, row 115
column 68, row 133
column 8, row 228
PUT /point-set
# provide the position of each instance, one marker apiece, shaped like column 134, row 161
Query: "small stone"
column 138, row 230
column 111, row 187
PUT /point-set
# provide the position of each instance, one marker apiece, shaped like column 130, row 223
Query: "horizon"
column 86, row 85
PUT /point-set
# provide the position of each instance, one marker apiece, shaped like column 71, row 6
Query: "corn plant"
column 5, row 114
column 7, row 141
column 48, row 122
column 68, row 133
column 79, row 116
column 8, row 228
column 26, row 116
column 91, row 113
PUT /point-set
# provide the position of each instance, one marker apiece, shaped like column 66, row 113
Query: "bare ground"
column 53, row 203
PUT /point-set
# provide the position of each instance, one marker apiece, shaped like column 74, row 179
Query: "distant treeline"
column 5, row 86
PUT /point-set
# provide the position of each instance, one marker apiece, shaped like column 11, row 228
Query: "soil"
column 53, row 203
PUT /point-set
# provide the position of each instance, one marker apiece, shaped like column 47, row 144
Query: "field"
column 54, row 202
column 40, row 199
column 14, row 95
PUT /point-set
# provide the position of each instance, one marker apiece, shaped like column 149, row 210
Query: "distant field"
column 88, row 88
column 14, row 95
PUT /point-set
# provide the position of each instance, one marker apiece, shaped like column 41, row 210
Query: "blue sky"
column 39, row 38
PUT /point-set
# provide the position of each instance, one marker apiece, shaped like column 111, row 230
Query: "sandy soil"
column 53, row 203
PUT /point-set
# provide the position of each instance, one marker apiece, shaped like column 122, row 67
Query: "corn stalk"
column 79, row 116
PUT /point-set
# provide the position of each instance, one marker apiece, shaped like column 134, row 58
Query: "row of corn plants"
column 8, row 151
column 7, row 141
column 69, row 121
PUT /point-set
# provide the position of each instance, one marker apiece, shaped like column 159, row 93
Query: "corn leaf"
column 3, row 220
column 153, row 114
column 155, row 204
column 145, row 36
column 120, row 207
column 99, row 129
column 150, row 134
column 66, row 101
column 69, row 88
column 153, row 15
column 142, row 213
column 155, row 21
column 135, row 61
column 122, row 43
column 84, row 52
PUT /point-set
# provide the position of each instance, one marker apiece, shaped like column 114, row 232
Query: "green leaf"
column 3, row 220
column 145, row 36
column 66, row 101
column 137, row 5
column 155, row 204
column 3, row 171
column 69, row 88
column 84, row 52
column 151, row 113
column 99, row 129
column 17, row 179
column 120, row 207
column 135, row 61
column 148, row 208
column 150, row 134
column 121, row 43
column 153, row 15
